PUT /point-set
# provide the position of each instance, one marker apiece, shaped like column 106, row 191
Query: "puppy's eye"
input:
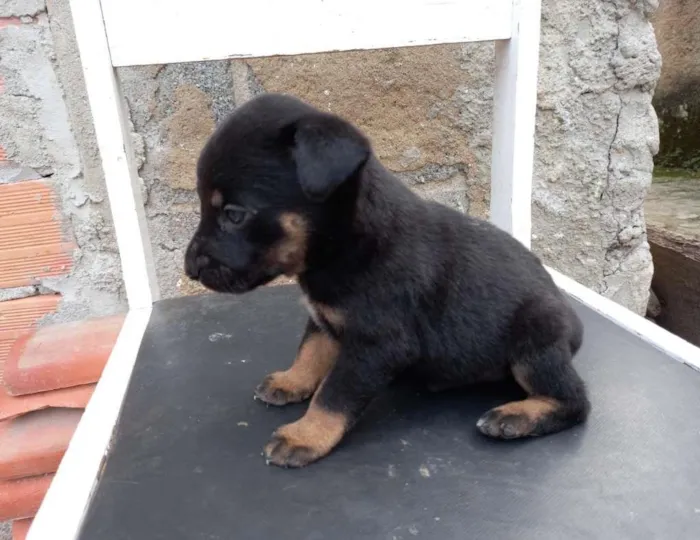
column 236, row 215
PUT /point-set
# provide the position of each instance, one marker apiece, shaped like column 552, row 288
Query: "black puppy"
column 393, row 283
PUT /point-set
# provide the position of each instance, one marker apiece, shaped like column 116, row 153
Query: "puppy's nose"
column 194, row 265
column 194, row 260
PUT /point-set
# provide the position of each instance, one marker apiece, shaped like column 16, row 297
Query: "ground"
column 672, row 211
column 673, row 206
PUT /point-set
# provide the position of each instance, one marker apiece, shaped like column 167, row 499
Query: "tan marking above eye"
column 217, row 199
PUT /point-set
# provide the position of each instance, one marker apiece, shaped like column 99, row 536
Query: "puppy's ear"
column 327, row 151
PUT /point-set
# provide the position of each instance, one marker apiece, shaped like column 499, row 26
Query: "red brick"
column 22, row 498
column 32, row 244
column 76, row 397
column 19, row 316
column 34, row 444
column 9, row 21
column 20, row 528
column 60, row 356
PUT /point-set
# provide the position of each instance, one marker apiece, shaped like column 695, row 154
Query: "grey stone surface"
column 46, row 131
column 6, row 531
column 428, row 112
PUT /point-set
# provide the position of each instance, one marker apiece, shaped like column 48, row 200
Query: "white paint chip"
column 218, row 336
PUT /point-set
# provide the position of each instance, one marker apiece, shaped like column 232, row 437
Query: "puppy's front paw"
column 307, row 439
column 284, row 451
column 280, row 388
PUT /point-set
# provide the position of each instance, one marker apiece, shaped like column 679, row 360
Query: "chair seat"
column 186, row 460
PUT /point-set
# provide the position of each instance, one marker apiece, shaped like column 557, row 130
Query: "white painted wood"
column 661, row 339
column 113, row 139
column 514, row 108
column 165, row 31
column 160, row 31
column 61, row 514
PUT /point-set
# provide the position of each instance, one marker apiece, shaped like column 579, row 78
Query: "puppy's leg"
column 315, row 357
column 557, row 395
column 334, row 409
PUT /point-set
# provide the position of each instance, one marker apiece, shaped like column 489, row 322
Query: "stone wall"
column 428, row 112
column 677, row 98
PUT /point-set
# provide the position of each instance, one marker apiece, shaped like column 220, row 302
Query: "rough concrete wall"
column 37, row 133
column 596, row 137
column 428, row 111
column 416, row 125
column 677, row 98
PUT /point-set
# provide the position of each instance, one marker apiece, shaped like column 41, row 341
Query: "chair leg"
column 110, row 119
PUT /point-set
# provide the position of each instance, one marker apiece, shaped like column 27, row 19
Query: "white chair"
column 115, row 33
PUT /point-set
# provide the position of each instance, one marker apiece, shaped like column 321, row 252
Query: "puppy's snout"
column 195, row 267
column 195, row 262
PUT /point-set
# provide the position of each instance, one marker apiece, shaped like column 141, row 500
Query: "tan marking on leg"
column 308, row 439
column 534, row 408
column 318, row 429
column 290, row 252
column 518, row 418
column 217, row 199
column 314, row 360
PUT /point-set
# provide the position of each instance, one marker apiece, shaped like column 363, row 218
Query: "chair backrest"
column 113, row 33
column 158, row 32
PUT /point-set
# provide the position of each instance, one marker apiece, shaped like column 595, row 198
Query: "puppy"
column 394, row 284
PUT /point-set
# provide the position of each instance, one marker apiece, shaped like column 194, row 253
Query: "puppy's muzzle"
column 194, row 261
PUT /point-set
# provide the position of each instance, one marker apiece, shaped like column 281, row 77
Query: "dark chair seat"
column 186, row 461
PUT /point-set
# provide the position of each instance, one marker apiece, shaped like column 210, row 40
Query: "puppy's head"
column 266, row 179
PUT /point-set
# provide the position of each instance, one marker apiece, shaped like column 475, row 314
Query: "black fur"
column 420, row 287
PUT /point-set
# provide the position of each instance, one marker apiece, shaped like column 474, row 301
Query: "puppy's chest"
column 327, row 318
